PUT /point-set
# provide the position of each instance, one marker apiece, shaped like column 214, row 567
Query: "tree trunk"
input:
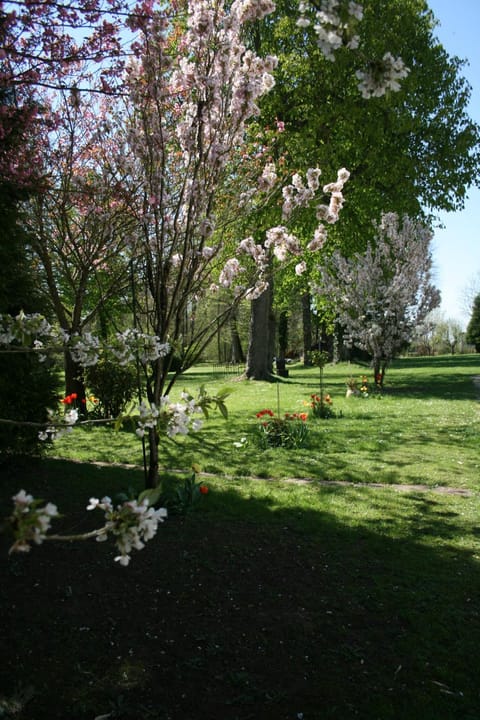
column 282, row 344
column 379, row 368
column 74, row 382
column 153, row 477
column 238, row 356
column 260, row 347
column 307, row 328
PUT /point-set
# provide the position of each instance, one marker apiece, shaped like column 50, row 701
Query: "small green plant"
column 361, row 388
column 289, row 431
column 181, row 498
column 352, row 388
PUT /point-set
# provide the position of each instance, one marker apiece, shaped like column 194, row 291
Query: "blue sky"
column 456, row 248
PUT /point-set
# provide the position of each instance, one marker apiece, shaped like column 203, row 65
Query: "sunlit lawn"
column 423, row 429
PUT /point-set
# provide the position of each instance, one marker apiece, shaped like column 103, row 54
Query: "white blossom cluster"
column 256, row 251
column 334, row 23
column 297, row 194
column 230, row 271
column 133, row 344
column 268, row 178
column 330, row 212
column 24, row 329
column 254, row 292
column 382, row 76
column 85, row 348
column 177, row 418
column 30, row 522
column 282, row 242
column 132, row 524
column 58, row 425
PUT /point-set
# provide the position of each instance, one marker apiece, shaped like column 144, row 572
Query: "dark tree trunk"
column 238, row 356
column 282, row 344
column 307, row 328
column 152, row 476
column 260, row 347
column 74, row 382
column 379, row 368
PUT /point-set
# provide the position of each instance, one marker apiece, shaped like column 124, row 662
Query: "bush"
column 113, row 385
column 27, row 389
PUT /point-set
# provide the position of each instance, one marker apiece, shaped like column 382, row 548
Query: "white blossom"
column 84, row 349
column 230, row 270
column 382, row 76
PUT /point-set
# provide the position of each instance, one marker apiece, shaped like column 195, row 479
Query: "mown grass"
column 275, row 598
column 423, row 429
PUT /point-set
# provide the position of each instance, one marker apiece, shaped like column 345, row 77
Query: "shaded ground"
column 226, row 619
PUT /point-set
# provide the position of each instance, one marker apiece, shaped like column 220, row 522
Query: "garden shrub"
column 113, row 386
column 27, row 389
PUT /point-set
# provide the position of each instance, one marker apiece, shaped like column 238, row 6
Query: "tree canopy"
column 413, row 151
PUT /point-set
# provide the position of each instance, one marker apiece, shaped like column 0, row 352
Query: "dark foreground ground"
column 234, row 620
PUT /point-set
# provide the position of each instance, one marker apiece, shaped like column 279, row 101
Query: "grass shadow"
column 252, row 607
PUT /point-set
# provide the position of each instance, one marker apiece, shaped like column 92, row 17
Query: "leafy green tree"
column 473, row 328
column 408, row 150
column 412, row 152
column 449, row 335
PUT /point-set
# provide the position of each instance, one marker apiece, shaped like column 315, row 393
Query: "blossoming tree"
column 380, row 296
column 77, row 226
column 181, row 151
column 174, row 144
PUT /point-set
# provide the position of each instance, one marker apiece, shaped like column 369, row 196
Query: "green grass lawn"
column 273, row 599
column 424, row 429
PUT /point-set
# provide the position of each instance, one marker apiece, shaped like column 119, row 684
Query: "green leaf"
column 118, row 423
column 224, row 393
column 152, row 495
column 223, row 409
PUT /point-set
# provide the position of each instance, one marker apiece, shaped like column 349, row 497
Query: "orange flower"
column 203, row 489
column 264, row 412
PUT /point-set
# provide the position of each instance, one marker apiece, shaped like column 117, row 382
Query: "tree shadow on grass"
column 247, row 609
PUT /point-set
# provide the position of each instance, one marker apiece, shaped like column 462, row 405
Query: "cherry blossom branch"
column 131, row 524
